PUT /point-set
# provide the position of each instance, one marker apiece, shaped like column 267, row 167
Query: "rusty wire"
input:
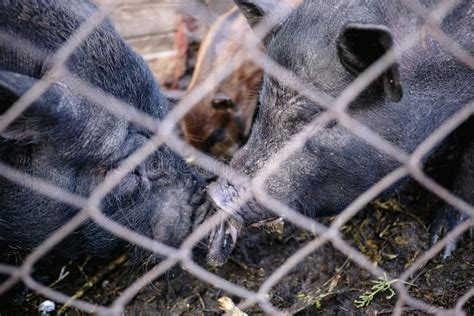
column 164, row 133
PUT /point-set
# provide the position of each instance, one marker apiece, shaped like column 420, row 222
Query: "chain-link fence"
column 164, row 133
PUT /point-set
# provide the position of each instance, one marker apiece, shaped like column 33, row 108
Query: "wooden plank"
column 150, row 26
column 152, row 43
column 134, row 22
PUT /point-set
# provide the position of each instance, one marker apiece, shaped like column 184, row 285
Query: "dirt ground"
column 388, row 231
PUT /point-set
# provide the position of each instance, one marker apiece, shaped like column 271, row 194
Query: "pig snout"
column 182, row 204
column 223, row 238
column 221, row 243
column 238, row 202
column 242, row 209
column 223, row 194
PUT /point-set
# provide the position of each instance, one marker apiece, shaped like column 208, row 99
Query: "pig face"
column 65, row 139
column 328, row 44
column 221, row 121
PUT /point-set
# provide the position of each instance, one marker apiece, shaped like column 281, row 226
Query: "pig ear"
column 360, row 45
column 256, row 10
column 7, row 97
column 33, row 123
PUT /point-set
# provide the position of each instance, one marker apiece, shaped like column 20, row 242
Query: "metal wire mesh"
column 164, row 133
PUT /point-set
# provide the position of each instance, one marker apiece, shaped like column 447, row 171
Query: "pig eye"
column 217, row 136
column 102, row 171
column 154, row 168
column 158, row 170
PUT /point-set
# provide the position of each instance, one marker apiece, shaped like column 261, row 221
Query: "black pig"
column 72, row 143
column 328, row 44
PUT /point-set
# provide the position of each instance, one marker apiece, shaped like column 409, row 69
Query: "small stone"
column 227, row 305
column 46, row 307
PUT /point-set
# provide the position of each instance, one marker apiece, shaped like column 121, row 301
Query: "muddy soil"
column 388, row 232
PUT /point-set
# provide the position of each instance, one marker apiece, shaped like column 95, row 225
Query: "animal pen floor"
column 327, row 282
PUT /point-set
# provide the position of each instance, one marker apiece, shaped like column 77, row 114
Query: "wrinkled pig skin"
column 328, row 44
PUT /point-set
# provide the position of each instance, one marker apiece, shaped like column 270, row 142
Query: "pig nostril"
column 217, row 136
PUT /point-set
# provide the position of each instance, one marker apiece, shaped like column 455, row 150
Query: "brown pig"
column 221, row 121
